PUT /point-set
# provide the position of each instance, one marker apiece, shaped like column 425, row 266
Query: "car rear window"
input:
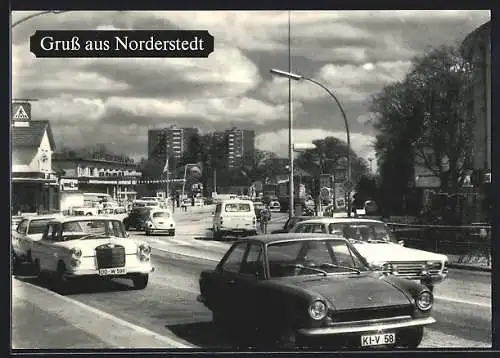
column 237, row 207
column 161, row 214
column 38, row 226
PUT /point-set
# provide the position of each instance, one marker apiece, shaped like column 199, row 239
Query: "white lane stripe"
column 139, row 329
column 188, row 255
column 466, row 302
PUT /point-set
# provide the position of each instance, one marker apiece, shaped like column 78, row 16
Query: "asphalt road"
column 169, row 308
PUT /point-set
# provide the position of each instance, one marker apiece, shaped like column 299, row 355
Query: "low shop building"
column 107, row 174
column 34, row 185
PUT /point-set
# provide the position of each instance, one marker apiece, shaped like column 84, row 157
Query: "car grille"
column 371, row 313
column 110, row 256
column 412, row 269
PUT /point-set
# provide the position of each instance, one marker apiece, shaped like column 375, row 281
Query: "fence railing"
column 470, row 243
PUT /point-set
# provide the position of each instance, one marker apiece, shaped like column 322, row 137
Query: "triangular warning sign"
column 21, row 113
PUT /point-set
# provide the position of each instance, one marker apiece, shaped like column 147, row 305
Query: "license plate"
column 378, row 339
column 160, row 222
column 113, row 271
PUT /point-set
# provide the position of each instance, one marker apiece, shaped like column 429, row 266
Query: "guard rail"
column 470, row 243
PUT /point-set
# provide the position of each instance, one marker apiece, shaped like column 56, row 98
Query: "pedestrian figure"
column 265, row 216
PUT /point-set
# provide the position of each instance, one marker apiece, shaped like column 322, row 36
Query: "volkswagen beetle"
column 310, row 290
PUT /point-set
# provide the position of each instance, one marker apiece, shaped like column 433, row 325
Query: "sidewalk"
column 42, row 319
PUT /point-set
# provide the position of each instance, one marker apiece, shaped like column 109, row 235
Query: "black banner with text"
column 143, row 43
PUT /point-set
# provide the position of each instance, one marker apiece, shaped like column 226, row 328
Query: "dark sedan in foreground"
column 313, row 290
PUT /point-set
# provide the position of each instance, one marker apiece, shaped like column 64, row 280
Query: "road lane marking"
column 466, row 302
column 188, row 255
column 169, row 341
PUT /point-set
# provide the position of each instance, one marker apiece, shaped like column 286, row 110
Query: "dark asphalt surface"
column 168, row 307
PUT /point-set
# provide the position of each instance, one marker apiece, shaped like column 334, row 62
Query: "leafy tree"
column 328, row 155
column 424, row 119
column 366, row 189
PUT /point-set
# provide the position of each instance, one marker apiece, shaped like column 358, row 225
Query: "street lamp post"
column 55, row 12
column 297, row 77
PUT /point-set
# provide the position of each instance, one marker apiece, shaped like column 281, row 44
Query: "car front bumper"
column 369, row 326
column 131, row 271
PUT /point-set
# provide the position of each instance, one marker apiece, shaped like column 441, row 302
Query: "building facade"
column 240, row 147
column 34, row 185
column 111, row 175
column 171, row 142
column 476, row 47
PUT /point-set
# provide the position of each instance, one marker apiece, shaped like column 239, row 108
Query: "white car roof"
column 65, row 219
column 232, row 201
column 328, row 220
column 41, row 217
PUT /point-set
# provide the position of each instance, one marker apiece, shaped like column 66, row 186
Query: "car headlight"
column 424, row 301
column 76, row 253
column 433, row 265
column 381, row 266
column 144, row 252
column 317, row 310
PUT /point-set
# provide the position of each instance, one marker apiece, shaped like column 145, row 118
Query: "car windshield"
column 38, row 226
column 237, row 207
column 79, row 228
column 313, row 257
column 161, row 214
column 360, row 232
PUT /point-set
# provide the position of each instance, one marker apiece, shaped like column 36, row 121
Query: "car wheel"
column 218, row 235
column 148, row 232
column 140, row 281
column 172, row 233
column 60, row 282
column 88, row 214
column 286, row 339
column 14, row 263
column 412, row 338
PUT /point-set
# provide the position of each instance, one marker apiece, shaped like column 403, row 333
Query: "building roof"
column 31, row 137
column 481, row 34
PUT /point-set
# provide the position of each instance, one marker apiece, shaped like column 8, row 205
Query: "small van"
column 235, row 217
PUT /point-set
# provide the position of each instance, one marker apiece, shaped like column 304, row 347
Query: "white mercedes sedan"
column 372, row 239
column 93, row 247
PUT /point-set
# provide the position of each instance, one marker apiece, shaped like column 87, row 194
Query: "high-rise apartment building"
column 170, row 141
column 240, row 147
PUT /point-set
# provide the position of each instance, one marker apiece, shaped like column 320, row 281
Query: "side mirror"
column 401, row 242
column 127, row 234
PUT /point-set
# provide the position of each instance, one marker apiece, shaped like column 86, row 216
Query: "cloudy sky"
column 116, row 101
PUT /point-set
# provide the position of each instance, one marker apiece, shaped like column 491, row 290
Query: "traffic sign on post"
column 325, row 193
column 348, row 185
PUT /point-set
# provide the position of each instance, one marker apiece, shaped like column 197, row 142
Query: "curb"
column 469, row 267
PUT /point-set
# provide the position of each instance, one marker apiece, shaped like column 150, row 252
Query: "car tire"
column 286, row 339
column 60, row 282
column 412, row 338
column 172, row 233
column 140, row 281
column 88, row 214
column 148, row 232
column 14, row 263
column 218, row 235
